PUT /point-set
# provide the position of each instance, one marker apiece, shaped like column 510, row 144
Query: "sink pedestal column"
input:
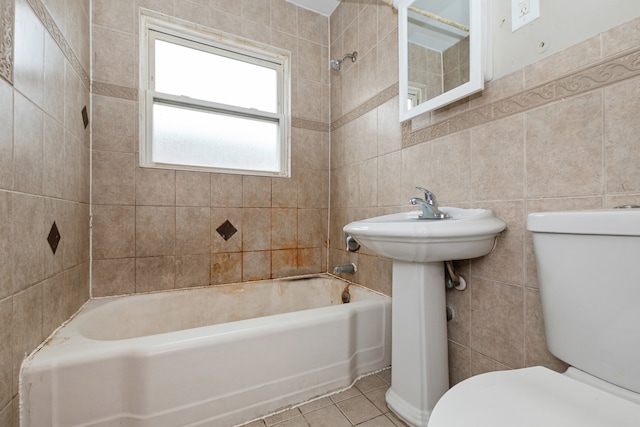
column 420, row 368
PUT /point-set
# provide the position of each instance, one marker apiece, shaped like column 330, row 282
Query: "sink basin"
column 469, row 233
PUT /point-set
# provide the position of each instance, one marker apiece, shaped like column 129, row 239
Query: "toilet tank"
column 589, row 275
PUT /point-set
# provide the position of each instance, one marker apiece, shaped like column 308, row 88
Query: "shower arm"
column 353, row 56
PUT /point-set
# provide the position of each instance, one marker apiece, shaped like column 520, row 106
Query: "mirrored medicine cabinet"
column 442, row 50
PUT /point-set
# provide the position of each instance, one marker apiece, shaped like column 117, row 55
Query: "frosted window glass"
column 201, row 138
column 184, row 71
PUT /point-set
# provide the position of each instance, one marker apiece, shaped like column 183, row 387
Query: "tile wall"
column 558, row 134
column 156, row 229
column 44, row 177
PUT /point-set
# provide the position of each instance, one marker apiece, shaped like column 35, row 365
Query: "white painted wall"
column 562, row 23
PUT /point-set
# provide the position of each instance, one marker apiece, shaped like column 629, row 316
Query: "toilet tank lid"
column 612, row 222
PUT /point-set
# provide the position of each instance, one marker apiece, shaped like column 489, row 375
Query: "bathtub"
column 213, row 356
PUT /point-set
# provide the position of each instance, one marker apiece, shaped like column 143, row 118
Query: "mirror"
column 441, row 53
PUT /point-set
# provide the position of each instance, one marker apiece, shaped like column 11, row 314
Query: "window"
column 213, row 102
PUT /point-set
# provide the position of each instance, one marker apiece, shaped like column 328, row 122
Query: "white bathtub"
column 214, row 356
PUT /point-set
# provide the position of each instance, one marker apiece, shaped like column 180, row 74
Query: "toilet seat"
column 531, row 397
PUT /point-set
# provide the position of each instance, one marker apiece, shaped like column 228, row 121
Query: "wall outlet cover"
column 523, row 12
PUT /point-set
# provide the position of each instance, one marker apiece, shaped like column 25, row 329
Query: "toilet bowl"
column 532, row 397
column 587, row 263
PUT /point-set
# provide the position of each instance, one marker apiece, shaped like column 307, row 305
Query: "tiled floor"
column 362, row 405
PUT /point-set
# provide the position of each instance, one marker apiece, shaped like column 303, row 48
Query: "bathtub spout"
column 347, row 268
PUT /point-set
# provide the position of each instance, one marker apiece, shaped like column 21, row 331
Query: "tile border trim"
column 114, row 91
column 379, row 99
column 595, row 76
column 300, row 123
column 6, row 41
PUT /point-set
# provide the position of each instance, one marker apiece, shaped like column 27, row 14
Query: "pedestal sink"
column 419, row 247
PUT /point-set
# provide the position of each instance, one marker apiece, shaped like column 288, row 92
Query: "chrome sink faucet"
column 429, row 206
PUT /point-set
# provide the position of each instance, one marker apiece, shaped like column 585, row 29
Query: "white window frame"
column 155, row 26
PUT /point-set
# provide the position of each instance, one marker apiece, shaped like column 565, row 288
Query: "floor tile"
column 299, row 421
column 315, row 405
column 344, row 395
column 358, row 409
column 369, row 383
column 378, row 398
column 379, row 421
column 327, row 417
column 282, row 416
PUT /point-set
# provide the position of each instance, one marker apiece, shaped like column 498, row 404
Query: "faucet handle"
column 429, row 197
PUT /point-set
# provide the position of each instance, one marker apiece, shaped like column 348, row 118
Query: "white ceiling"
column 323, row 7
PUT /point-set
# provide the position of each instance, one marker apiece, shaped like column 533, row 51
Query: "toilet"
column 589, row 276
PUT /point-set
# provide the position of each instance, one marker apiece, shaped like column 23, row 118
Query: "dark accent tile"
column 54, row 237
column 85, row 117
column 226, row 230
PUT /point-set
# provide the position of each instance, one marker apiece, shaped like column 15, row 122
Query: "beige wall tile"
column 226, row 268
column 155, row 231
column 621, row 38
column 497, row 321
column 564, row 148
column 118, row 15
column 53, row 175
column 54, row 69
column 256, row 265
column 27, row 327
column 117, row 60
column 284, row 228
column 114, row 231
column 497, row 153
column 6, row 352
column 310, row 260
column 256, row 233
column 622, row 153
column 114, row 178
column 459, row 363
column 284, row 263
column 6, row 137
column 226, row 190
column 113, row 276
column 507, row 261
column 284, row 16
column 193, row 270
column 28, row 57
column 537, row 353
column 312, row 26
column 6, row 246
column 106, row 136
column 155, row 273
column 72, row 167
column 367, row 28
column 284, row 192
column 256, row 192
column 582, row 54
column 27, row 237
column 310, row 230
column 193, row 230
column 28, row 142
column 155, row 187
column 193, row 188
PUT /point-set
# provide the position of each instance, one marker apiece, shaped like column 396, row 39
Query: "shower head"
column 336, row 64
